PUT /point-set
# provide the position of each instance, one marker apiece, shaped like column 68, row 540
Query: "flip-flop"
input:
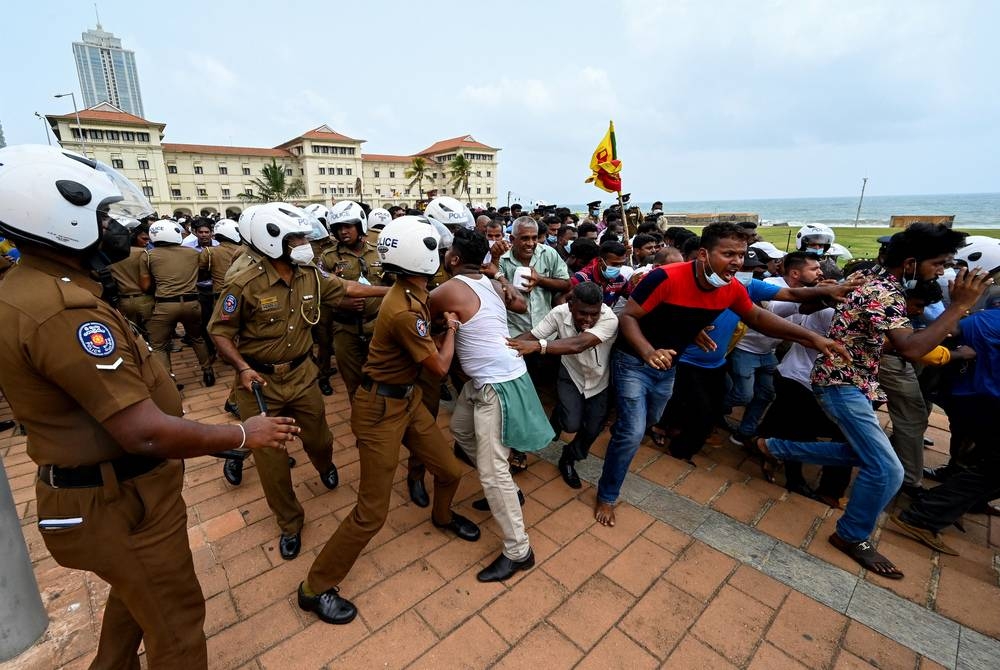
column 923, row 535
column 518, row 462
column 658, row 436
column 864, row 553
column 769, row 465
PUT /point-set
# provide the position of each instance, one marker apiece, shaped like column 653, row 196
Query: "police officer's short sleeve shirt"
column 402, row 339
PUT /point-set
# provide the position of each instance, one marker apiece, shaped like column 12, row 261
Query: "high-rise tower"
column 107, row 71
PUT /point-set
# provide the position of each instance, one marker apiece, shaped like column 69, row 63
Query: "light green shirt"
column 546, row 263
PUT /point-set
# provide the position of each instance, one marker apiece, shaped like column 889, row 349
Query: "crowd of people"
column 617, row 319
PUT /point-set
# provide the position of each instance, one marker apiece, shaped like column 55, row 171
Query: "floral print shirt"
column 860, row 324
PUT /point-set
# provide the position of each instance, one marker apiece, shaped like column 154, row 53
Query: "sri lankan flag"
column 604, row 164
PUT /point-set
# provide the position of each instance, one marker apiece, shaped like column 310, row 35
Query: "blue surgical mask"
column 551, row 239
column 744, row 277
column 910, row 283
column 568, row 246
column 610, row 272
column 815, row 252
column 713, row 279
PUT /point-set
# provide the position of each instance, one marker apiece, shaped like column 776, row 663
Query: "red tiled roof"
column 107, row 116
column 386, row 158
column 322, row 133
column 231, row 151
column 463, row 142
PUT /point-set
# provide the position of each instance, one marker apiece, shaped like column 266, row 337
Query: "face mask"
column 551, row 239
column 611, row 272
column 744, row 277
column 814, row 252
column 568, row 245
column 714, row 279
column 301, row 255
column 766, row 274
column 910, row 283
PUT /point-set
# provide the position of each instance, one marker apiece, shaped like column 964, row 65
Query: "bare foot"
column 604, row 513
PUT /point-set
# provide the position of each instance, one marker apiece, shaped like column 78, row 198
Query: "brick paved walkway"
column 643, row 594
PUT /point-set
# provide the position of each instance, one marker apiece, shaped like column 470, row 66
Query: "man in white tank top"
column 497, row 407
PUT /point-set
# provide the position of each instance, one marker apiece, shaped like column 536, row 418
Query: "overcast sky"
column 711, row 100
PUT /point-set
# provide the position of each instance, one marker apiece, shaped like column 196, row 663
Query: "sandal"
column 864, row 553
column 658, row 436
column 756, row 447
column 518, row 461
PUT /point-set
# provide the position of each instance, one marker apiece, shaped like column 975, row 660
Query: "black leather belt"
column 187, row 297
column 397, row 391
column 350, row 320
column 89, row 476
column 132, row 295
column 276, row 368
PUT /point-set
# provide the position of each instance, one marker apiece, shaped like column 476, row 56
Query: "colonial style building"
column 199, row 178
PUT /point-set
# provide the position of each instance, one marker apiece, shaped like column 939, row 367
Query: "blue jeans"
column 753, row 386
column 642, row 393
column 880, row 472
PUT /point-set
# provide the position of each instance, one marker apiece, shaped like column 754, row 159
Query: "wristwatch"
column 543, row 345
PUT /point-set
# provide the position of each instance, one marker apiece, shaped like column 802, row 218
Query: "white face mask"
column 713, row 279
column 302, row 254
column 744, row 277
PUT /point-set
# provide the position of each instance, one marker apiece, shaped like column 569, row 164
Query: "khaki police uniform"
column 174, row 271
column 387, row 410
column 68, row 362
column 352, row 331
column 269, row 321
column 322, row 332
column 221, row 259
column 133, row 302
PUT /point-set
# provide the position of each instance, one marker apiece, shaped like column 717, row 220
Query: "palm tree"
column 419, row 170
column 460, row 169
column 273, row 186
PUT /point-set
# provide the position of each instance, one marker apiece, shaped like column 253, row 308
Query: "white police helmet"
column 814, row 233
column 378, row 217
column 166, row 232
column 264, row 227
column 228, row 229
column 347, row 211
column 409, row 245
column 450, row 212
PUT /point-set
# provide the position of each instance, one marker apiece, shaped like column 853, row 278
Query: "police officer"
column 133, row 302
column 387, row 410
column 227, row 234
column 100, row 411
column 261, row 327
column 173, row 270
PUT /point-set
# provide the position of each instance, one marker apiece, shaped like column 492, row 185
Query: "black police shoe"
column 324, row 386
column 232, row 470
column 289, row 545
column 330, row 478
column 232, row 408
column 208, row 377
column 328, row 606
column 483, row 505
column 569, row 474
column 418, row 492
column 464, row 528
column 504, row 568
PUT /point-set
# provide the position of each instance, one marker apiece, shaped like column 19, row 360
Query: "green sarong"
column 525, row 426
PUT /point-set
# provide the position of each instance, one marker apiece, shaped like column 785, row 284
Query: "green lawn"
column 861, row 242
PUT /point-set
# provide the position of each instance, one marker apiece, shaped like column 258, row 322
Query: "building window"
column 128, row 136
column 117, row 163
column 350, row 171
column 350, row 151
column 489, row 174
column 376, row 174
column 350, row 190
column 479, row 191
column 378, row 190
column 147, row 191
column 479, row 173
column 392, row 174
column 341, row 190
column 302, row 172
column 202, row 192
column 246, row 171
column 225, row 194
column 172, row 169
column 248, row 191
column 114, row 135
column 142, row 137
column 198, row 170
column 487, row 190
column 340, row 171
column 323, row 190
column 175, row 193
column 288, row 172
column 143, row 164
column 96, row 134
column 223, row 169
column 322, row 170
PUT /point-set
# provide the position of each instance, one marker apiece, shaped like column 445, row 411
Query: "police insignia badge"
column 96, row 339
column 229, row 303
column 421, row 328
column 269, row 303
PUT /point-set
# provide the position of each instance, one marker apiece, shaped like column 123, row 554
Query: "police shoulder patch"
column 421, row 328
column 230, row 303
column 96, row 339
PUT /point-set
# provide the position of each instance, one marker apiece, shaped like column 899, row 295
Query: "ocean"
column 971, row 210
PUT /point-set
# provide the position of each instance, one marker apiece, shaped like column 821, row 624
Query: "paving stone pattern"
column 708, row 566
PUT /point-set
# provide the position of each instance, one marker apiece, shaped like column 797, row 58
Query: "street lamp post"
column 76, row 111
column 45, row 128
